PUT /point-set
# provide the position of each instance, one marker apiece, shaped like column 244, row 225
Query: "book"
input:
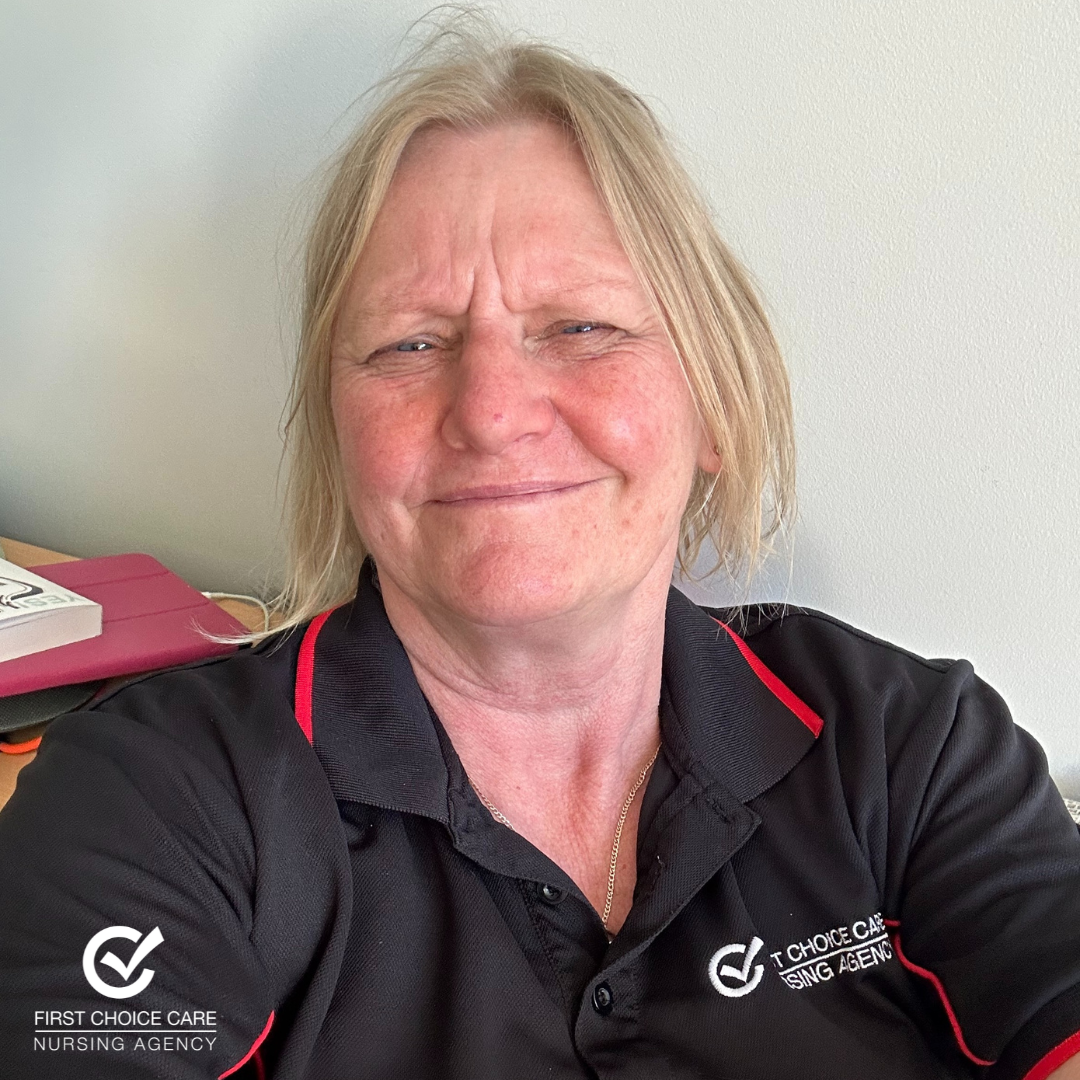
column 37, row 614
column 150, row 619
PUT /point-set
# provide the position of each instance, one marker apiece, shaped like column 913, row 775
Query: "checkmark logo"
column 90, row 960
column 736, row 982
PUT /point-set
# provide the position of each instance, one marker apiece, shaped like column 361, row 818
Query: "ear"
column 708, row 457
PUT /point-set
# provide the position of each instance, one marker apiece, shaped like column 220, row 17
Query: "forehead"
column 516, row 199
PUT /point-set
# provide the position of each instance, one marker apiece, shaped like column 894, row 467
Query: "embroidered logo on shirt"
column 125, row 971
column 736, row 982
column 853, row 947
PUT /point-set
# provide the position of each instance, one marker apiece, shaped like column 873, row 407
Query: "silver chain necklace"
column 500, row 817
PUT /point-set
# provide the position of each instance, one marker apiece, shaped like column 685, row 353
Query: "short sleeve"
column 986, row 881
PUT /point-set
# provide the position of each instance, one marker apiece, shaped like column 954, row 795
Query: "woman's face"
column 517, row 437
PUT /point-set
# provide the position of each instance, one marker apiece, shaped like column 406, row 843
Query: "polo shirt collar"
column 733, row 725
column 735, row 729
column 371, row 725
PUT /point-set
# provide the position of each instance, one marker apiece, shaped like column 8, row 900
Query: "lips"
column 520, row 489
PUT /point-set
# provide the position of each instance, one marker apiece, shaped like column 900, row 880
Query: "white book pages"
column 36, row 614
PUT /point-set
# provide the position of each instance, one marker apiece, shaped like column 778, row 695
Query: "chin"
column 506, row 585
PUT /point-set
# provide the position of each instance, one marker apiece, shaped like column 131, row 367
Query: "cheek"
column 643, row 423
column 382, row 438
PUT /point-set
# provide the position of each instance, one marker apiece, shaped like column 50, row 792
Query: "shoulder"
column 896, row 725
column 226, row 687
column 221, row 713
column 843, row 671
column 810, row 635
column 209, row 751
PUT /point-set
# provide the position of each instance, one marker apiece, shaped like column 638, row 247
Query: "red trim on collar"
column 795, row 704
column 305, row 675
column 925, row 973
column 1054, row 1059
column 252, row 1052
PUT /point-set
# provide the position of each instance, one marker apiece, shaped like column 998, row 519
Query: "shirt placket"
column 695, row 836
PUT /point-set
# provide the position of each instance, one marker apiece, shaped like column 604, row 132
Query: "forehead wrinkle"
column 430, row 295
column 565, row 259
column 445, row 282
column 581, row 279
column 439, row 277
column 575, row 298
column 523, row 289
column 561, row 253
column 421, row 288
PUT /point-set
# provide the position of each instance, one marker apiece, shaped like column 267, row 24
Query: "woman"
column 517, row 808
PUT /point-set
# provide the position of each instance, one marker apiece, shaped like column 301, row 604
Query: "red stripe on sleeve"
column 779, row 690
column 1055, row 1059
column 936, row 982
column 305, row 675
column 254, row 1049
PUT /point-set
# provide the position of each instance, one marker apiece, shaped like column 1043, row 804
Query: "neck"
column 554, row 721
column 564, row 706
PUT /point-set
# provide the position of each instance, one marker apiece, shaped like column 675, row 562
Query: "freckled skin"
column 495, row 334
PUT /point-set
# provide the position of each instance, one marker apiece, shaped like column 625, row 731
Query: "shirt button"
column 603, row 1000
column 551, row 895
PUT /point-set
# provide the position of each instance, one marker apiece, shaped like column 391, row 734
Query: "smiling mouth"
column 520, row 492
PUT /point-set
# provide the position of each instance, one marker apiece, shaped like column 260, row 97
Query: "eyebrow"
column 414, row 302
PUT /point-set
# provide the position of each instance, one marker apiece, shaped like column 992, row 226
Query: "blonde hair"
column 469, row 74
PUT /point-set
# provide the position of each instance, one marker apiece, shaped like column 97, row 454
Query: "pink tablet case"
column 150, row 619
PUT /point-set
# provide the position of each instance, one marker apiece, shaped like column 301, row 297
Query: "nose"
column 499, row 395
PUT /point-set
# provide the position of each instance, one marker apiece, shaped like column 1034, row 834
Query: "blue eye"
column 413, row 346
column 579, row 328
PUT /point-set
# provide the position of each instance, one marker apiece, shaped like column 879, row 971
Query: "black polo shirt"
column 850, row 864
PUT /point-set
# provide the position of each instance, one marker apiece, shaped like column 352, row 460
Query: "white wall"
column 902, row 178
